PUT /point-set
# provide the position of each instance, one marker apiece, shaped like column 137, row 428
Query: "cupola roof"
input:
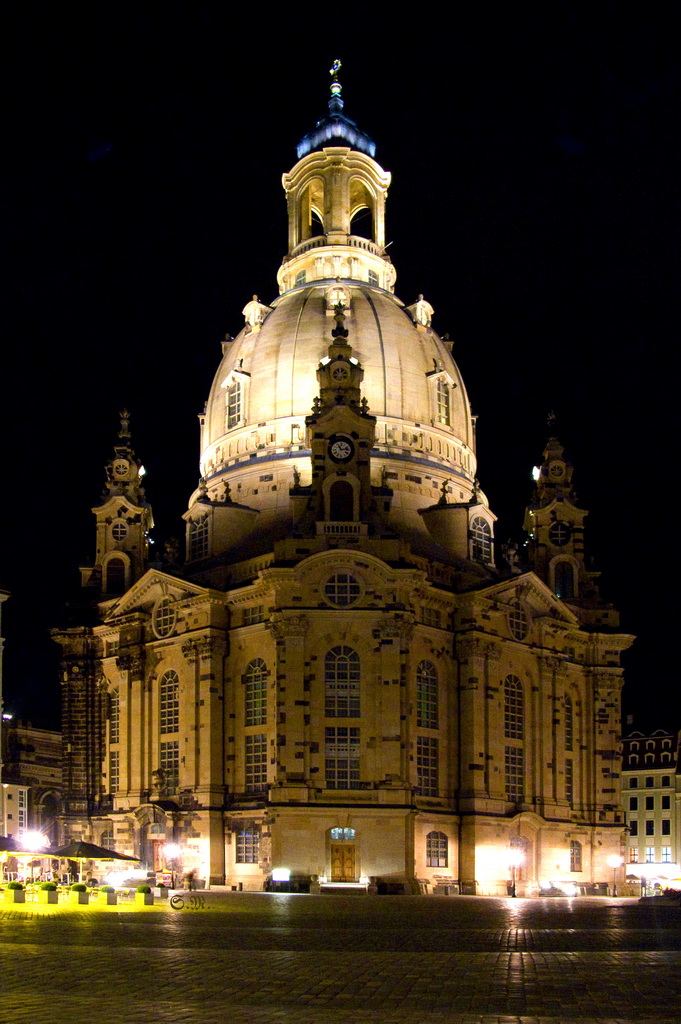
column 336, row 128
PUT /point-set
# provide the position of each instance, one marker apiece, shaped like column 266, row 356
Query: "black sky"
column 535, row 202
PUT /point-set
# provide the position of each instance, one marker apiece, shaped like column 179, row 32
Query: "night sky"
column 535, row 202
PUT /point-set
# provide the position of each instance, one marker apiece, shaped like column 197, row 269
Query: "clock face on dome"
column 340, row 373
column 120, row 467
column 341, row 449
column 556, row 470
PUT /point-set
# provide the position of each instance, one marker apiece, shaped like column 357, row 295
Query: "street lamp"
column 614, row 862
column 515, row 859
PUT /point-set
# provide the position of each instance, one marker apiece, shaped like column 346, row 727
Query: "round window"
column 342, row 589
column 559, row 534
column 163, row 617
column 119, row 529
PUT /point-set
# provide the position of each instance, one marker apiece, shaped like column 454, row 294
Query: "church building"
column 342, row 678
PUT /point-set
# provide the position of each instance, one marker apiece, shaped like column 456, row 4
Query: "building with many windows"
column 651, row 790
column 342, row 679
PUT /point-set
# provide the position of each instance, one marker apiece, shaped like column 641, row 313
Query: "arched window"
column 569, row 723
column 481, row 540
column 564, row 580
column 233, row 404
column 342, row 680
column 443, row 408
column 170, row 701
column 114, row 716
column 341, row 502
column 426, row 696
column 115, row 576
column 198, row 538
column 255, row 680
column 513, row 708
column 436, row 850
column 575, row 855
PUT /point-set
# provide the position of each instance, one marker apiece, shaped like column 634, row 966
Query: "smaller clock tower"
column 340, row 434
column 124, row 520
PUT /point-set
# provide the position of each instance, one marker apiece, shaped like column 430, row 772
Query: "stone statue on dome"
column 421, row 312
column 254, row 312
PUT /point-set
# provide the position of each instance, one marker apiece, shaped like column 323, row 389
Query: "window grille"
column 170, row 763
column 481, row 539
column 248, row 846
column 342, row 683
column 256, row 762
column 233, row 404
column 436, row 850
column 514, row 773
column 569, row 723
column 575, row 855
column 114, row 716
column 443, row 406
column 342, row 757
column 114, row 771
column 513, row 708
column 342, row 589
column 170, row 702
column 426, row 696
column 427, row 765
column 198, row 538
column 255, row 679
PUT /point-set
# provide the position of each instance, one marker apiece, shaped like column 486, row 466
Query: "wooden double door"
column 343, row 862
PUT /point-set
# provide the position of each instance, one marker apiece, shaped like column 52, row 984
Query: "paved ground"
column 265, row 959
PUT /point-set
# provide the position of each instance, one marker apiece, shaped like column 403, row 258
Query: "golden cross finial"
column 335, row 68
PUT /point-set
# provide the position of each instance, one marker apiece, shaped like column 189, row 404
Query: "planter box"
column 79, row 897
column 110, row 899
column 145, row 899
column 48, row 896
column 160, row 892
column 15, row 895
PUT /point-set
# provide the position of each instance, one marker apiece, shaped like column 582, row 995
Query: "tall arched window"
column 170, row 701
column 436, row 850
column 569, row 723
column 114, row 716
column 443, row 410
column 255, row 680
column 575, row 855
column 513, row 708
column 341, row 502
column 426, row 696
column 233, row 400
column 341, row 681
column 481, row 540
column 115, row 576
column 564, row 580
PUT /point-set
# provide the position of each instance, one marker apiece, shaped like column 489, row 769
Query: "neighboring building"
column 342, row 680
column 651, row 790
column 32, row 765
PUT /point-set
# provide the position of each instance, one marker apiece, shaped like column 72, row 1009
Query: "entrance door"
column 342, row 862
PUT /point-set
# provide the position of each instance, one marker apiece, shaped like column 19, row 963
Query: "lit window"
column 443, row 411
column 517, row 620
column 170, row 701
column 342, row 835
column 342, row 757
column 255, row 679
column 342, row 682
column 650, row 854
column 426, row 696
column 170, row 764
column 233, row 399
column 248, row 846
column 481, row 540
column 114, row 716
column 514, row 773
column 633, row 855
column 256, row 762
column 198, row 538
column 436, row 850
column 666, row 854
column 513, row 708
column 342, row 589
column 427, row 765
column 575, row 855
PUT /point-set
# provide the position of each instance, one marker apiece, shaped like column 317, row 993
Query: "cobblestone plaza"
column 270, row 959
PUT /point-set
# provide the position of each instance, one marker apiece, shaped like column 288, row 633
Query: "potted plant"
column 15, row 893
column 108, row 895
column 47, row 893
column 144, row 895
column 160, row 891
column 79, row 894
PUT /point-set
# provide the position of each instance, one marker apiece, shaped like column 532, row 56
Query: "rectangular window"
column 114, row 717
column 170, row 764
column 22, row 816
column 569, row 793
column 633, row 828
column 666, row 827
column 256, row 762
column 233, row 404
column 650, row 828
column 253, row 614
column 372, row 277
column 114, row 771
column 248, row 846
column 514, row 772
column 650, row 782
column 342, row 757
column 650, row 854
column 633, row 803
column 666, row 854
column 666, row 780
column 575, row 855
column 666, row 803
column 650, row 803
column 431, row 617
column 427, row 765
column 633, row 855
column 633, row 783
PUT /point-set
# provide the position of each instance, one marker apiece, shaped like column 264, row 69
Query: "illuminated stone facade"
column 341, row 680
column 651, row 792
